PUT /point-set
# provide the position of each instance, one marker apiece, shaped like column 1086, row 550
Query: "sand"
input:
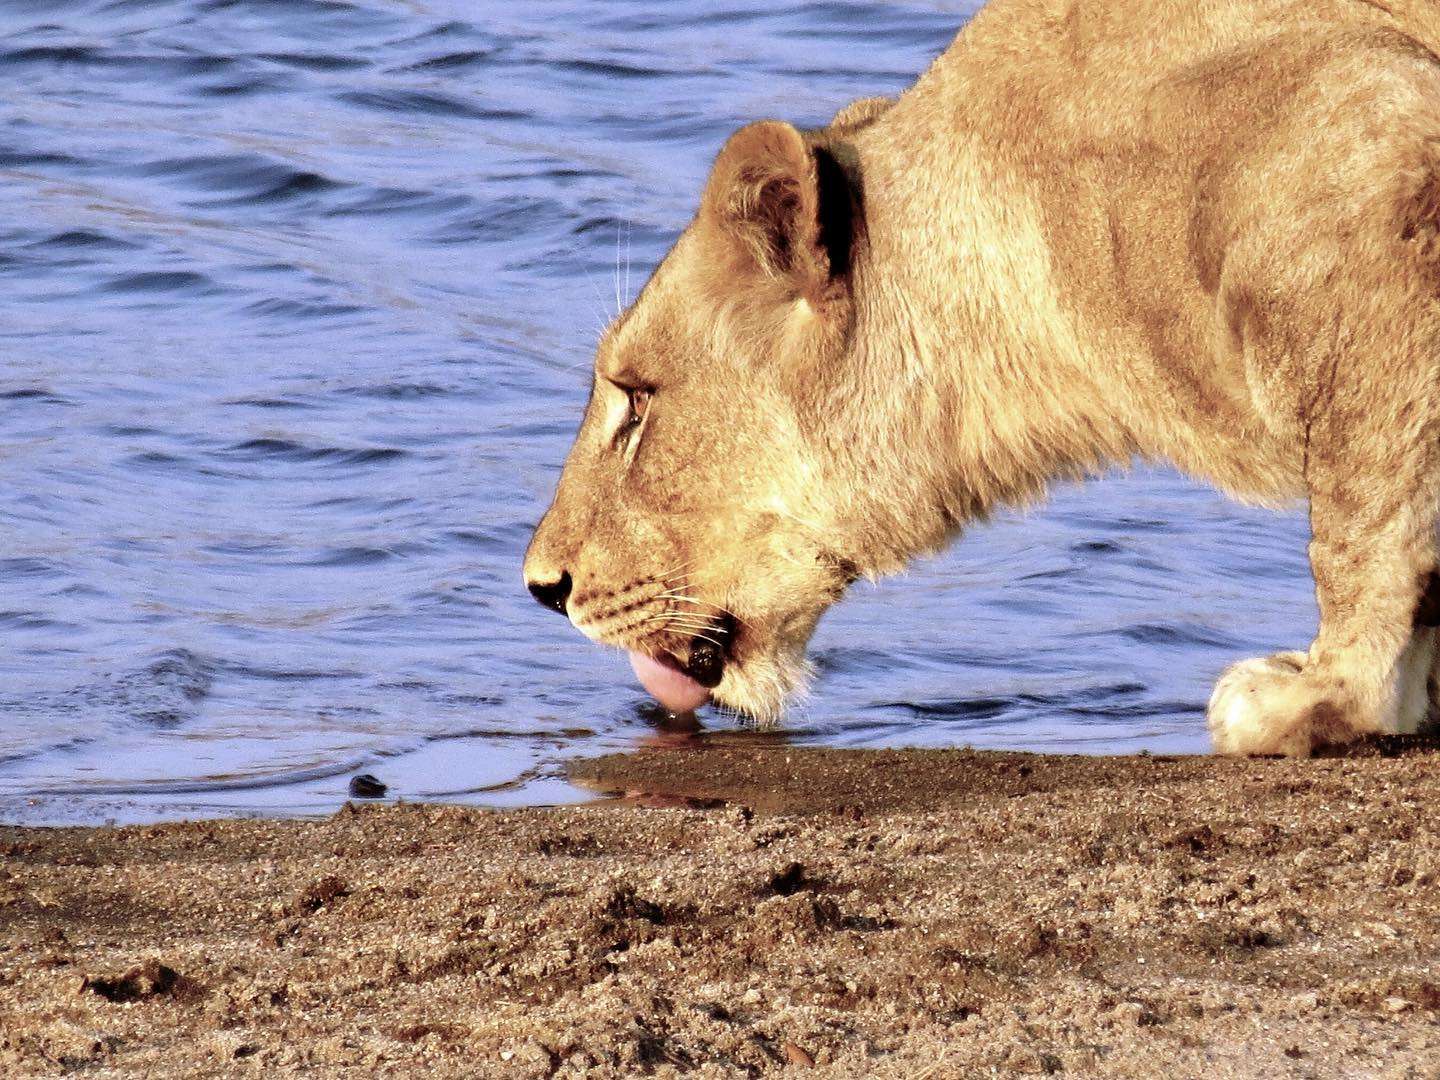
column 753, row 912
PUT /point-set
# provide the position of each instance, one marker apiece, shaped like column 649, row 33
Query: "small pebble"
column 797, row 1055
column 366, row 786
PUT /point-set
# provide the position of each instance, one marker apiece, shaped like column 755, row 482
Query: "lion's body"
column 1200, row 232
column 1120, row 178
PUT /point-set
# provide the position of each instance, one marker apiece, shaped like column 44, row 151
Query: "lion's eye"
column 639, row 404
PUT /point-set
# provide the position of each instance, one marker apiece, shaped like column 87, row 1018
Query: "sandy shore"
column 747, row 912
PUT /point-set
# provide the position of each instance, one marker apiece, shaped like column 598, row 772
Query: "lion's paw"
column 1267, row 706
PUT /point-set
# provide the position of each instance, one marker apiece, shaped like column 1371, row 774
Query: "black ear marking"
column 790, row 203
column 837, row 210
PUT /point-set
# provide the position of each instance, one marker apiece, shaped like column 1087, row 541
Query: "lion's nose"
column 552, row 594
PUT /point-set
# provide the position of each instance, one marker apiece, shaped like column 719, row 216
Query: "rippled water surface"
column 299, row 297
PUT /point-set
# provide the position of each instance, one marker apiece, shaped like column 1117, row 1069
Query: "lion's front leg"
column 1255, row 704
column 1415, row 687
column 1369, row 668
column 1251, row 700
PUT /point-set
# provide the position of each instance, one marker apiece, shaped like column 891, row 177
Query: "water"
column 299, row 297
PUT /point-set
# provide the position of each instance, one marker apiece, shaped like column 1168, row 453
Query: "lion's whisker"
column 681, row 623
column 694, row 633
column 672, row 594
column 673, row 613
column 719, row 609
column 619, row 302
column 676, row 619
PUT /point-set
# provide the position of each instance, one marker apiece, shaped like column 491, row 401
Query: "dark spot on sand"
column 148, row 980
column 318, row 893
column 624, row 904
column 789, row 880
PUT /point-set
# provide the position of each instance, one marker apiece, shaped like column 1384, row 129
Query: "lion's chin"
column 760, row 686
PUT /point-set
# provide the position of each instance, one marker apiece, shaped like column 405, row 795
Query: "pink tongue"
column 671, row 688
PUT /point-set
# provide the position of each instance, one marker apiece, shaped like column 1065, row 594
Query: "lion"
column 1093, row 232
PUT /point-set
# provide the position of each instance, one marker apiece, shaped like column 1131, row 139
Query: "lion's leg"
column 1415, row 695
column 1418, row 684
column 1368, row 668
column 1415, row 698
column 1426, row 648
column 1415, row 683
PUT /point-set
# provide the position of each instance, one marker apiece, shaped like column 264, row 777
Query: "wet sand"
column 743, row 912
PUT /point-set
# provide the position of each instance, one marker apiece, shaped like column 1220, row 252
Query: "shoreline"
column 741, row 912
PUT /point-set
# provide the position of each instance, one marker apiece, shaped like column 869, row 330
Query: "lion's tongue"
column 668, row 685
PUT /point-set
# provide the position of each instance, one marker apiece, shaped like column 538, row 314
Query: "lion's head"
column 721, row 492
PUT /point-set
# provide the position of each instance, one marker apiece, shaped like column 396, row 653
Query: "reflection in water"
column 685, row 731
column 670, row 731
column 300, row 299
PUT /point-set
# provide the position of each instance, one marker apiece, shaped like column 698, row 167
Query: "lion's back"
column 1177, row 162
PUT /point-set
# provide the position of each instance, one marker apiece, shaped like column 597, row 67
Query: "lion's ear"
column 786, row 204
column 861, row 114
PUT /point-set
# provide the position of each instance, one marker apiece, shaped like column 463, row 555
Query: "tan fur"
column 1206, row 233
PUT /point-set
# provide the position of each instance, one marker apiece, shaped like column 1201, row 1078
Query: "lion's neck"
column 984, row 388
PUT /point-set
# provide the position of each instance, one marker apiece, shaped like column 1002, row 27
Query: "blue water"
column 299, row 301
